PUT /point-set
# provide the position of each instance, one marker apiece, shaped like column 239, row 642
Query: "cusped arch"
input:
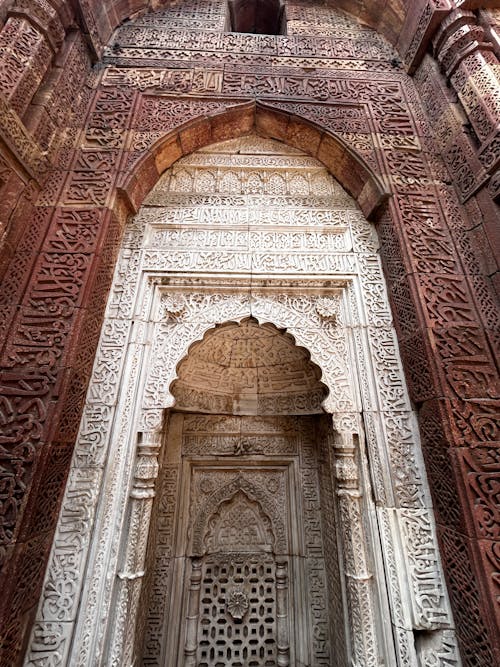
column 243, row 367
column 224, row 494
column 267, row 121
column 298, row 317
column 239, row 524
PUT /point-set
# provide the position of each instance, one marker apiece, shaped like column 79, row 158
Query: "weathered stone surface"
column 247, row 238
column 78, row 143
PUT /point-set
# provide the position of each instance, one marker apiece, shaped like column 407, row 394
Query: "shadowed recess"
column 246, row 369
column 255, row 16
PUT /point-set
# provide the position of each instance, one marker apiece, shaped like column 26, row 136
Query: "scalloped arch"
column 314, row 389
column 224, row 494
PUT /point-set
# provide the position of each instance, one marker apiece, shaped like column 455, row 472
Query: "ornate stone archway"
column 180, row 273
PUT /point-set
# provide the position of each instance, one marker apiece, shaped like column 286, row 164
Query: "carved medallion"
column 237, row 604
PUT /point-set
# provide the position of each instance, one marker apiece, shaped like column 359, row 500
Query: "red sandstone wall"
column 81, row 148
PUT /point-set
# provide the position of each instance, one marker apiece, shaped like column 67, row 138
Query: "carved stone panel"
column 251, row 587
column 238, row 613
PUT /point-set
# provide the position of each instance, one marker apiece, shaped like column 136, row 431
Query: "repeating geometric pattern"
column 221, row 641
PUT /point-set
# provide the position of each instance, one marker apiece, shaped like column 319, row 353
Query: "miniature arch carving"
column 239, row 523
column 225, row 494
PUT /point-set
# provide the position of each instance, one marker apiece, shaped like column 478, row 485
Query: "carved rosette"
column 237, row 604
column 327, row 309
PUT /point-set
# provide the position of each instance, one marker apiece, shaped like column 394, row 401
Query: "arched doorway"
column 240, row 572
column 248, row 228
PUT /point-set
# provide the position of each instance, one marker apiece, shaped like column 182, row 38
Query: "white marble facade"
column 248, row 228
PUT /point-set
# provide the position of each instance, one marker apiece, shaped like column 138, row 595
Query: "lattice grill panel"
column 237, row 622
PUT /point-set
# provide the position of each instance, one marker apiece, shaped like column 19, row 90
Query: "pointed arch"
column 343, row 163
column 352, row 354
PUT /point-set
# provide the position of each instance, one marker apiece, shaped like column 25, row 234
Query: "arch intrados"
column 213, row 330
column 344, row 164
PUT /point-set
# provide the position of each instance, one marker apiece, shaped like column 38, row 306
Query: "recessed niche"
column 263, row 17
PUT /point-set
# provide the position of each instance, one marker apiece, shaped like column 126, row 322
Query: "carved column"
column 192, row 615
column 282, row 614
column 468, row 60
column 132, row 571
column 354, row 541
column 421, row 21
